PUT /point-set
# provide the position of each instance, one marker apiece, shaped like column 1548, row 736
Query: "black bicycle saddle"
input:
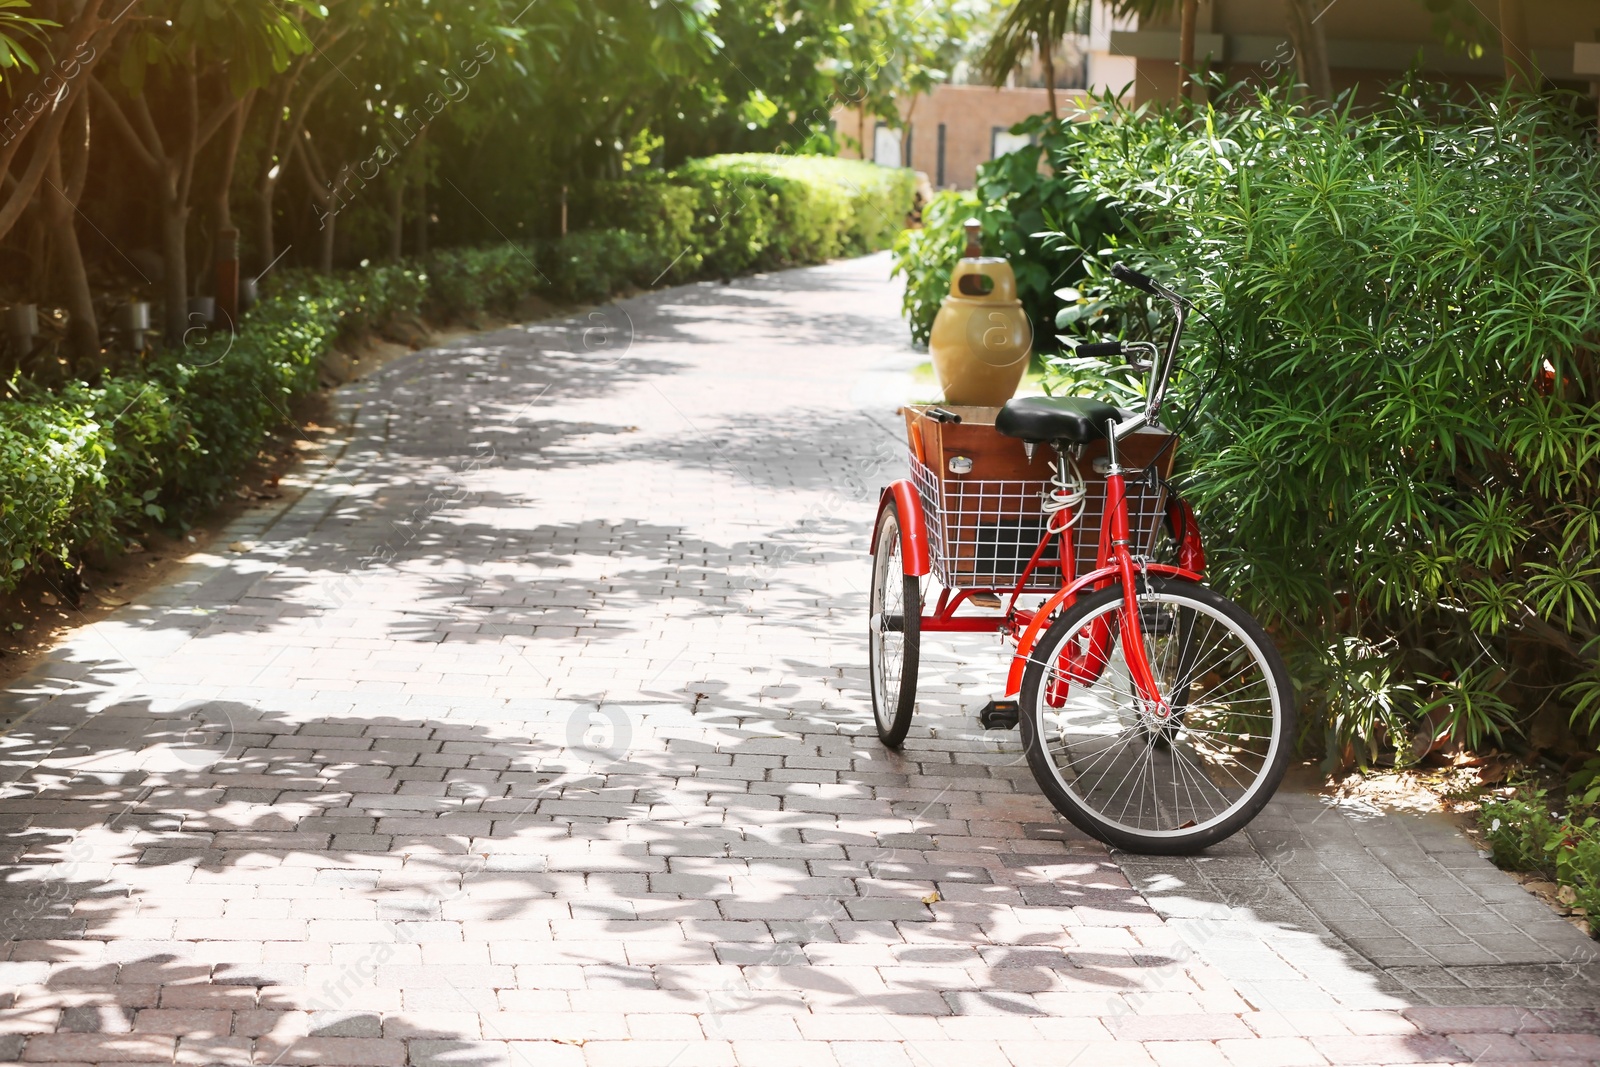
column 1071, row 419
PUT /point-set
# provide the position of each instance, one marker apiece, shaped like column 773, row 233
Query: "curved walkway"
column 534, row 732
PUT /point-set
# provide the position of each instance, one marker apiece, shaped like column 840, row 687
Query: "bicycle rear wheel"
column 1117, row 767
column 894, row 633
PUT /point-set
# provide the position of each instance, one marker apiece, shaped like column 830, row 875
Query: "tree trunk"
column 173, row 172
column 905, row 138
column 265, row 223
column 1186, row 19
column 225, row 256
column 285, row 131
column 60, row 217
column 397, row 213
column 420, row 245
column 326, row 193
column 1047, row 48
column 330, row 222
column 223, row 209
column 175, row 260
column 1521, row 71
column 1310, row 49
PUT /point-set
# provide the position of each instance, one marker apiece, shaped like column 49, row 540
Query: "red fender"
column 913, row 528
column 1048, row 609
column 1186, row 531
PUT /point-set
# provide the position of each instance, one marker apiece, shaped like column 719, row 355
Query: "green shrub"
column 1518, row 828
column 590, row 265
column 1017, row 205
column 766, row 211
column 52, row 458
column 1398, row 461
column 464, row 281
column 927, row 256
column 81, row 467
column 664, row 215
column 1525, row 835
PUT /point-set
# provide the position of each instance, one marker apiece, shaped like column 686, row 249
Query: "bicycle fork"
column 1087, row 656
column 1131, row 624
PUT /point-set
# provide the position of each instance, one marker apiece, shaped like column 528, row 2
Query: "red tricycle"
column 1155, row 713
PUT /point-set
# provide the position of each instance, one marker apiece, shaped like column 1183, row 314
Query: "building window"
column 886, row 146
column 938, row 180
column 1003, row 142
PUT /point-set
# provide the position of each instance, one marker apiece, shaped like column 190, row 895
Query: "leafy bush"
column 589, row 265
column 927, row 256
column 664, row 215
column 464, row 281
column 1518, row 828
column 1399, row 457
column 1017, row 204
column 1525, row 835
column 723, row 215
column 82, row 466
column 765, row 211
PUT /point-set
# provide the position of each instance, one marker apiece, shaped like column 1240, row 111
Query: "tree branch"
column 147, row 122
column 119, row 120
column 78, row 167
column 184, row 179
column 47, row 140
column 218, row 118
column 311, row 163
column 86, row 27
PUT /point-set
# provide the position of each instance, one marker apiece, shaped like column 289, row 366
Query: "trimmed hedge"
column 82, row 466
column 733, row 213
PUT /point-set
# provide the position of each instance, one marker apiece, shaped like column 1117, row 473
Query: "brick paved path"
column 534, row 732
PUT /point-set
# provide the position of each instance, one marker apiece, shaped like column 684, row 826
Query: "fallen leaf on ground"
column 1567, row 895
column 240, row 546
column 110, row 601
column 49, row 598
column 932, row 898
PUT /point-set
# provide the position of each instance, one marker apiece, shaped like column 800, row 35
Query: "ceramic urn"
column 981, row 337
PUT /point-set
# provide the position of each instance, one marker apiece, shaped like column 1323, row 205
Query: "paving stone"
column 1386, row 1049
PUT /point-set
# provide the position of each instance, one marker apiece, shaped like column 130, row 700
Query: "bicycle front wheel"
column 1166, row 780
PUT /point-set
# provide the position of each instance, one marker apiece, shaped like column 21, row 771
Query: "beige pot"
column 981, row 337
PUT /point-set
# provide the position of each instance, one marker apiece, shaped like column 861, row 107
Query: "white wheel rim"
column 1134, row 773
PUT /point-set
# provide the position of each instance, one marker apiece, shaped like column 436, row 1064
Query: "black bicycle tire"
column 892, row 728
column 1084, row 817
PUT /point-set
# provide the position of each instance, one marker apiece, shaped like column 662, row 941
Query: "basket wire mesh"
column 981, row 534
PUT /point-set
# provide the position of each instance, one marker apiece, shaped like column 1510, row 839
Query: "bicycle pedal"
column 1000, row 715
column 984, row 600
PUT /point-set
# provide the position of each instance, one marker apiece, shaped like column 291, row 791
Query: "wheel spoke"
column 1113, row 757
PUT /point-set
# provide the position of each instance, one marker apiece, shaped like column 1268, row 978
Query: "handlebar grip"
column 1107, row 348
column 1128, row 276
